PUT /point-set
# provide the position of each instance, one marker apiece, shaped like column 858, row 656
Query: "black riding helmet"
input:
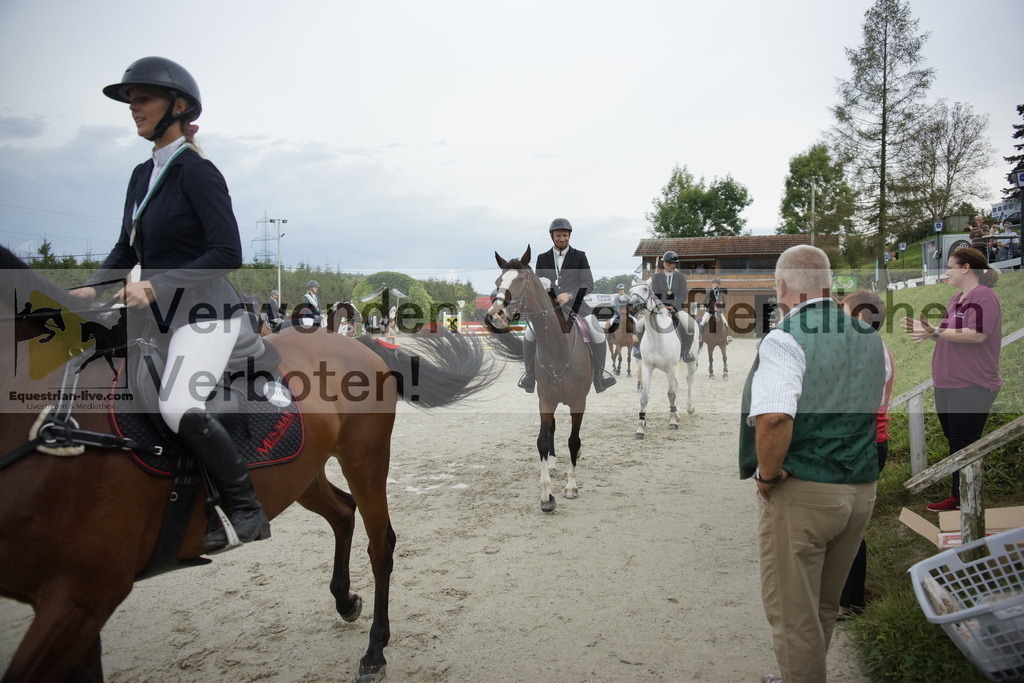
column 670, row 257
column 162, row 73
column 560, row 224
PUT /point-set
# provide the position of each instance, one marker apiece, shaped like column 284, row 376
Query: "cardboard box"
column 947, row 533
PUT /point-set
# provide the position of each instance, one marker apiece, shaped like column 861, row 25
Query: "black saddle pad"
column 265, row 433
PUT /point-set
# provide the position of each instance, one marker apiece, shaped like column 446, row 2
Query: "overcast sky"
column 423, row 136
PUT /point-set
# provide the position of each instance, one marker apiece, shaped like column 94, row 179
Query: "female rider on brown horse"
column 180, row 228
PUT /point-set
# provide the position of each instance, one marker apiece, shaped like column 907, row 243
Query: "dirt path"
column 650, row 575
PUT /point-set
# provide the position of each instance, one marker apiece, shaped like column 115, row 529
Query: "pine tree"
column 879, row 108
column 1016, row 161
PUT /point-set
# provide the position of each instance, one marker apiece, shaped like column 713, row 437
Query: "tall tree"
column 833, row 197
column 878, row 111
column 951, row 149
column 689, row 208
column 1016, row 161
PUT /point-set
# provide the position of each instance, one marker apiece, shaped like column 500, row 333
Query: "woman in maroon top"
column 965, row 364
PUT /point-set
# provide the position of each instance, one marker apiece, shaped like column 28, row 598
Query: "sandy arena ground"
column 651, row 574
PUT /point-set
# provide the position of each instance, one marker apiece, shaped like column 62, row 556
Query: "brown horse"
column 715, row 334
column 563, row 360
column 77, row 531
column 620, row 338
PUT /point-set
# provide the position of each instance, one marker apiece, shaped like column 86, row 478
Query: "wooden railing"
column 968, row 460
column 915, row 412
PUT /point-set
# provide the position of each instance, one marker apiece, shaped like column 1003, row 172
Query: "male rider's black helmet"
column 162, row 73
column 560, row 224
column 311, row 284
column 670, row 257
column 620, row 286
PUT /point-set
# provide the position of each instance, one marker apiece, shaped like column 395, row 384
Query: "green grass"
column 895, row 640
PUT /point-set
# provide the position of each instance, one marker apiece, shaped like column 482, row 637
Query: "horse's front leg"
column 339, row 509
column 725, row 364
column 691, row 370
column 571, row 489
column 645, row 394
column 63, row 640
column 673, row 386
column 545, row 446
column 711, row 362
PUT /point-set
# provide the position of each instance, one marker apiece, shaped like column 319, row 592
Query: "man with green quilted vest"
column 807, row 437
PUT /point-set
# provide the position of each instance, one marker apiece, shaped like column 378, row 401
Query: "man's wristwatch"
column 773, row 480
column 935, row 334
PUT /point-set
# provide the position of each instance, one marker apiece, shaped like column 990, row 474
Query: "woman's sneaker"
column 943, row 505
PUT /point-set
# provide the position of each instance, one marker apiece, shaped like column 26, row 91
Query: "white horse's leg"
column 673, row 387
column 691, row 370
column 645, row 394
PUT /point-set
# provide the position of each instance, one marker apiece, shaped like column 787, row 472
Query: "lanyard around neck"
column 149, row 194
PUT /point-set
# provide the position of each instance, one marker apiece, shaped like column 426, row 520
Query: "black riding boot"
column 598, row 352
column 211, row 444
column 529, row 380
column 685, row 339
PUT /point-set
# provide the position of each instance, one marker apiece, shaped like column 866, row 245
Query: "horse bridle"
column 556, row 377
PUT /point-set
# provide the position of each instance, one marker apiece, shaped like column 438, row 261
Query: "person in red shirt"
column 965, row 363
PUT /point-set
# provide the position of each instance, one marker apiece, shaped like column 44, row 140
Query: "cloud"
column 353, row 208
column 21, row 127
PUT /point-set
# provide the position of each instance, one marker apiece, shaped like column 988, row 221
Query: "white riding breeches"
column 596, row 330
column 196, row 358
column 707, row 316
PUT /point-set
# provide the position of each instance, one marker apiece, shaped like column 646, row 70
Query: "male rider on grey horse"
column 669, row 287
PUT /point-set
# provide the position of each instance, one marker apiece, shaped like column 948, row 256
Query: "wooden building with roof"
column 745, row 265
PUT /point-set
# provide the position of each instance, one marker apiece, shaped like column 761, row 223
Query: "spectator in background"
column 965, row 362
column 978, row 234
column 869, row 308
column 272, row 310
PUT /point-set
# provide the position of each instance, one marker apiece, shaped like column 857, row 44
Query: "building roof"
column 744, row 245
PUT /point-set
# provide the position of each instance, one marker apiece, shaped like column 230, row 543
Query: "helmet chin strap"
column 168, row 118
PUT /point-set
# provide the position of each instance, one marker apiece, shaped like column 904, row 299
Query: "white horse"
column 660, row 348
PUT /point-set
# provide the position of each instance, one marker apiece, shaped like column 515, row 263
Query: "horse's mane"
column 18, row 275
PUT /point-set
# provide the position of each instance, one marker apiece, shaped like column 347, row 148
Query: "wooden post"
column 972, row 513
column 915, row 418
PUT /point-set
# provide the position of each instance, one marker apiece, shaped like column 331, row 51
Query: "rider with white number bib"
column 180, row 228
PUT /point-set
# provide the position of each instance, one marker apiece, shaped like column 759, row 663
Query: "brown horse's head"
column 510, row 291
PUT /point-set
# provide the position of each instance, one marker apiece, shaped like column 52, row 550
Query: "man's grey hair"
column 273, row 292
column 806, row 270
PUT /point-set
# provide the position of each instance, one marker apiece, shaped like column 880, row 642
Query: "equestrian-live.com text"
column 79, row 396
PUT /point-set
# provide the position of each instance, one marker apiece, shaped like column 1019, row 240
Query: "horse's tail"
column 506, row 343
column 443, row 369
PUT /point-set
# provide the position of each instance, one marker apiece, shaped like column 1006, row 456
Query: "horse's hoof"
column 638, row 436
column 367, row 676
column 357, row 609
column 673, row 426
column 628, row 373
column 548, row 505
column 689, row 411
column 571, row 493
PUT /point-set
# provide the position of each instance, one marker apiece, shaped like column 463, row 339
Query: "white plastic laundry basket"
column 979, row 603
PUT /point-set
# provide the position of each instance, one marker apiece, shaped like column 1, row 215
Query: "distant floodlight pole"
column 280, row 234
column 815, row 179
